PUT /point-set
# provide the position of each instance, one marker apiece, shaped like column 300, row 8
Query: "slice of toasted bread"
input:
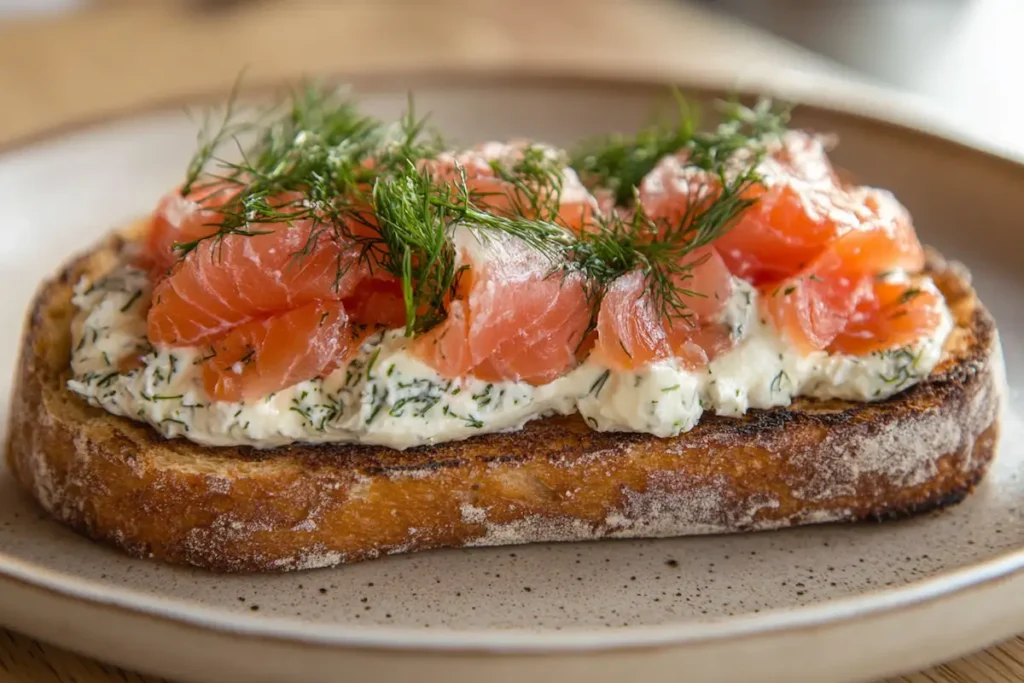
column 241, row 509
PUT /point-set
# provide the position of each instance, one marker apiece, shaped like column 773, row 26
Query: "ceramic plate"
column 836, row 603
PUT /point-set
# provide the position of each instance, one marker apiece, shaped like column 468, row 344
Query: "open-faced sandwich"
column 352, row 339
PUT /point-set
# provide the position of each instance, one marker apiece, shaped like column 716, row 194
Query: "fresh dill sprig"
column 411, row 139
column 418, row 253
column 321, row 151
column 741, row 128
column 416, row 216
column 549, row 239
column 317, row 158
column 210, row 139
column 659, row 248
column 534, row 181
column 704, row 221
column 619, row 162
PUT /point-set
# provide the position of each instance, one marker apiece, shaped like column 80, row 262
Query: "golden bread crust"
column 241, row 509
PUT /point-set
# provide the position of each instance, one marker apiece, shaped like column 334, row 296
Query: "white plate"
column 837, row 603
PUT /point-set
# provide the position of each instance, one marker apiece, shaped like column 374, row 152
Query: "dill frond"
column 660, row 248
column 419, row 253
column 619, row 162
column 316, row 158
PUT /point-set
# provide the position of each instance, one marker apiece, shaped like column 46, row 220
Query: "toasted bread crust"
column 241, row 509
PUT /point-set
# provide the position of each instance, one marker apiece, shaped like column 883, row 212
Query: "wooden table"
column 61, row 69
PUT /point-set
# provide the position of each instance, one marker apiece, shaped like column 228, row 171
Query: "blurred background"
column 65, row 60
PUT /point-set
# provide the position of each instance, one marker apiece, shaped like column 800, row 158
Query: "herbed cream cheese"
column 386, row 396
column 762, row 371
column 383, row 396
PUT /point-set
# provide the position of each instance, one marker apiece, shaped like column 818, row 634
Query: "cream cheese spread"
column 386, row 396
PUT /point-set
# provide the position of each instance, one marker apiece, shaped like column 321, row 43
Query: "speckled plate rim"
column 977, row 577
column 866, row 103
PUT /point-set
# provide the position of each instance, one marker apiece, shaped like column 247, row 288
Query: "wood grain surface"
column 59, row 69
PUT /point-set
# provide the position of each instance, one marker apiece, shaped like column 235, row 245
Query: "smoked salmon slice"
column 801, row 209
column 234, row 279
column 263, row 356
column 180, row 219
column 884, row 238
column 811, row 245
column 377, row 302
column 632, row 332
column 792, row 221
column 502, row 193
column 293, row 299
column 896, row 314
column 812, row 308
column 517, row 319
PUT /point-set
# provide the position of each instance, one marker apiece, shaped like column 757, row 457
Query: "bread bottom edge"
column 947, row 490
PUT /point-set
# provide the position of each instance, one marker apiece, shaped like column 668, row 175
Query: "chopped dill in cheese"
column 355, row 281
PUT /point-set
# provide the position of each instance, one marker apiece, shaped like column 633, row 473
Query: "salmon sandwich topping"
column 351, row 280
